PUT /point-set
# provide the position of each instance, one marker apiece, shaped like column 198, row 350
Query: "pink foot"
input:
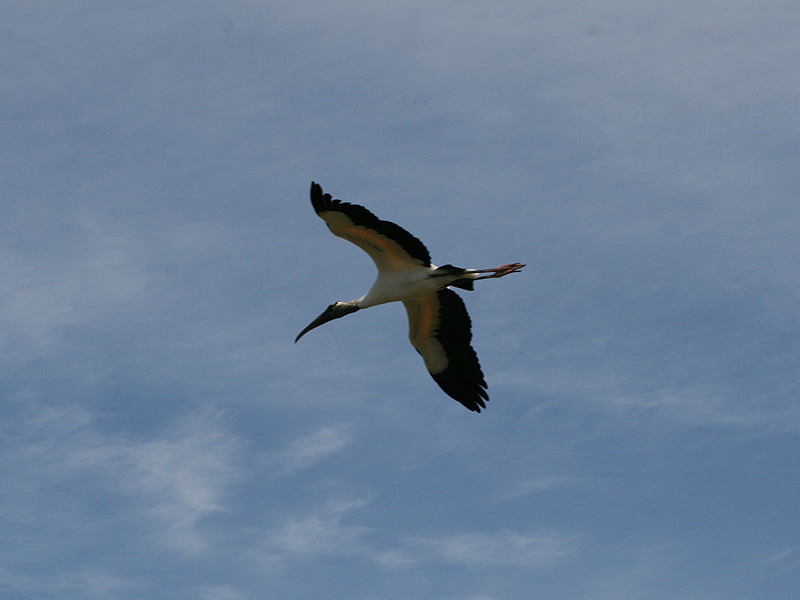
column 507, row 269
column 502, row 271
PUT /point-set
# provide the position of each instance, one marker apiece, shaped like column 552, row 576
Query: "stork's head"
column 334, row 311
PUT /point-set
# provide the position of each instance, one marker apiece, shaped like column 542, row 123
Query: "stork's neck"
column 345, row 308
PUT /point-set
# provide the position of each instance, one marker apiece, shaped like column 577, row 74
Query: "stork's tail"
column 464, row 284
column 449, row 270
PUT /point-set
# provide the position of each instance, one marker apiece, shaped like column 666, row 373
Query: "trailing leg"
column 501, row 271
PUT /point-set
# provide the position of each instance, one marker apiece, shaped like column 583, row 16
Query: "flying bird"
column 438, row 324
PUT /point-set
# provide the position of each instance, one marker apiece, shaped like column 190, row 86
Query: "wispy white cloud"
column 324, row 532
column 321, row 533
column 85, row 583
column 172, row 481
column 504, row 548
column 783, row 561
column 88, row 280
column 501, row 549
column 532, row 486
column 708, row 406
column 307, row 450
column 223, row 592
column 184, row 478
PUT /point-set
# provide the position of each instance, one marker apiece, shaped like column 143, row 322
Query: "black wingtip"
column 321, row 201
column 361, row 217
column 475, row 407
column 462, row 379
column 471, row 394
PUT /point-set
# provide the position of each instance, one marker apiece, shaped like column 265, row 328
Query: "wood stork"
column 439, row 326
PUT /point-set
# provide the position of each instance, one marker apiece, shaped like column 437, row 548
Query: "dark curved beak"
column 320, row 320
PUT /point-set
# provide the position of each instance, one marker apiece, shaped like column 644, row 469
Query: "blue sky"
column 162, row 436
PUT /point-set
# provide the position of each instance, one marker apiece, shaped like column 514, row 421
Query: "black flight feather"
column 463, row 379
column 362, row 217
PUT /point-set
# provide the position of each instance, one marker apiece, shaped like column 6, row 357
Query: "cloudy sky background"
column 161, row 435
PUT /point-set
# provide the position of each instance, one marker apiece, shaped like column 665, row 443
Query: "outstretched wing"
column 389, row 245
column 440, row 329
